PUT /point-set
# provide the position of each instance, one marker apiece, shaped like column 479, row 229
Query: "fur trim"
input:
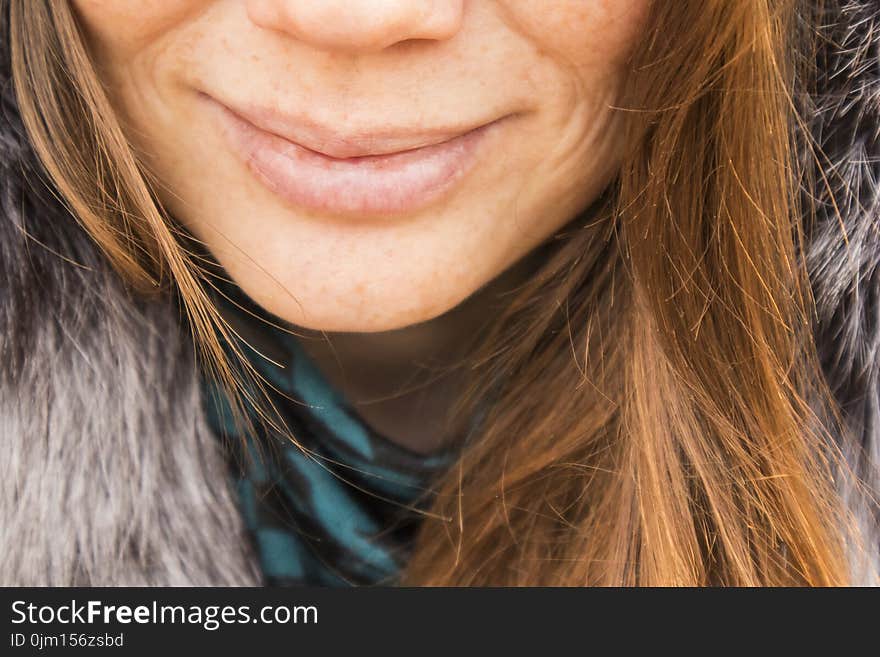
column 844, row 104
column 108, row 473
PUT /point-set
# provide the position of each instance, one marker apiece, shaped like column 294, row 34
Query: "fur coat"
column 108, row 473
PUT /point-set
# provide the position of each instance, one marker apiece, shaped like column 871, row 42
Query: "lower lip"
column 374, row 185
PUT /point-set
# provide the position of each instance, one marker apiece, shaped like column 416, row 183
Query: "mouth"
column 362, row 173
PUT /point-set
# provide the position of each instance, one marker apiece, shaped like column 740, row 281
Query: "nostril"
column 265, row 13
column 359, row 25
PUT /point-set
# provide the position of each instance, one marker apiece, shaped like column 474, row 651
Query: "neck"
column 404, row 382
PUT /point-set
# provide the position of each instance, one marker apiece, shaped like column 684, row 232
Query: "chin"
column 364, row 315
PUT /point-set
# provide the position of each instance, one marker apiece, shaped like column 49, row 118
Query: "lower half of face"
column 362, row 166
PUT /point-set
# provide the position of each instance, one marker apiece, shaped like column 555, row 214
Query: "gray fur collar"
column 108, row 474
column 844, row 106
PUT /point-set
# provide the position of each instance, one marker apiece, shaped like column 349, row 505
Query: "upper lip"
column 349, row 142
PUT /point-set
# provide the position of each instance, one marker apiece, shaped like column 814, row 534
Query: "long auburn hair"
column 658, row 413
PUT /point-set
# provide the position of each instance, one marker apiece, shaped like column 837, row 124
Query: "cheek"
column 120, row 28
column 592, row 36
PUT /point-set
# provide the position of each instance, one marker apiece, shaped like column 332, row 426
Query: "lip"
column 373, row 172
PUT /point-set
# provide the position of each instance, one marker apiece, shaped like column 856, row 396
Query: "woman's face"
column 363, row 165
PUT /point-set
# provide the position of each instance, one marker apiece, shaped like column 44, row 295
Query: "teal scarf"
column 346, row 512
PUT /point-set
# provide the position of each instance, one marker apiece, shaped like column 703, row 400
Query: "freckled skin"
column 556, row 65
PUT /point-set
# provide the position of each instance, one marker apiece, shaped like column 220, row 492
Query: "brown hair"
column 654, row 388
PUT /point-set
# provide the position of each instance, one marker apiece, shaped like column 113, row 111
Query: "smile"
column 368, row 173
